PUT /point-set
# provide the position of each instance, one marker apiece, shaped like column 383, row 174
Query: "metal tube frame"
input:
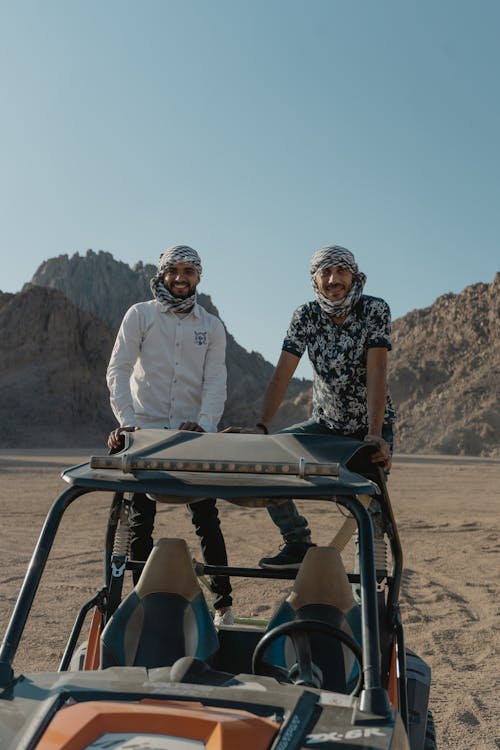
column 97, row 600
column 373, row 697
column 32, row 579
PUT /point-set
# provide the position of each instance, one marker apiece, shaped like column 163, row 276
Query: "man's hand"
column 114, row 436
column 383, row 454
column 191, row 427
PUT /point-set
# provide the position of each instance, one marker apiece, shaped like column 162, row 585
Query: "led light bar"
column 129, row 463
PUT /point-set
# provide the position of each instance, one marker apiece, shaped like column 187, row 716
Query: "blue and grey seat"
column 321, row 592
column 164, row 617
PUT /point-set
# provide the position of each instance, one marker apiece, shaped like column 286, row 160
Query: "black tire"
column 430, row 733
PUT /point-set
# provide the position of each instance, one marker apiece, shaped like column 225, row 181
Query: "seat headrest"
column 169, row 569
column 322, row 580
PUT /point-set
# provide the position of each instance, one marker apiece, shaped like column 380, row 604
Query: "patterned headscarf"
column 335, row 255
column 175, row 254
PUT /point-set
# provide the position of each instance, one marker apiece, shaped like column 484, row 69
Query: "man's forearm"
column 376, row 383
column 277, row 387
column 376, row 411
column 212, row 402
column 272, row 401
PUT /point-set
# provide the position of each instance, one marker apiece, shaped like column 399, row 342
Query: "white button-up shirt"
column 167, row 368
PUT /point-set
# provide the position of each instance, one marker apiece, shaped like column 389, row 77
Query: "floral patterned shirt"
column 338, row 355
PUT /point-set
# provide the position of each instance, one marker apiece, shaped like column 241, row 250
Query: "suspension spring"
column 121, row 543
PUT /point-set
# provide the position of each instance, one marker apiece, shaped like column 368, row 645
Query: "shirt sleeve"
column 295, row 340
column 123, row 358
column 213, row 396
column 379, row 325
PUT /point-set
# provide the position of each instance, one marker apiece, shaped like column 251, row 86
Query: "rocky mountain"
column 97, row 283
column 445, row 374
column 52, row 359
column 56, row 337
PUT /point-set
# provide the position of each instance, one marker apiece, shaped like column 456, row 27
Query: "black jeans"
column 205, row 518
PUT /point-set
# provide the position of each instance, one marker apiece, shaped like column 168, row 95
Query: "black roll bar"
column 31, row 581
column 373, row 697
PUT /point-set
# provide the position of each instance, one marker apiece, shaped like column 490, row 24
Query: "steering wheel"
column 305, row 671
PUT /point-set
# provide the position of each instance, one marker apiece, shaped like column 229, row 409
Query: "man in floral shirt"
column 347, row 337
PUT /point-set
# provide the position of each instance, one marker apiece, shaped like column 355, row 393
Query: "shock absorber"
column 380, row 555
column 118, row 542
column 121, row 542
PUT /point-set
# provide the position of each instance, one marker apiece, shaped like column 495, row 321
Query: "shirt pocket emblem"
column 200, row 338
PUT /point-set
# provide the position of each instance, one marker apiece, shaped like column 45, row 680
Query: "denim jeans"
column 205, row 518
column 293, row 526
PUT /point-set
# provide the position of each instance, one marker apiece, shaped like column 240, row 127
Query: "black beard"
column 184, row 295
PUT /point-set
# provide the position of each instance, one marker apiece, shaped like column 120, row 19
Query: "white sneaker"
column 223, row 618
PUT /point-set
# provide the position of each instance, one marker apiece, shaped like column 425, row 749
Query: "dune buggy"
column 329, row 670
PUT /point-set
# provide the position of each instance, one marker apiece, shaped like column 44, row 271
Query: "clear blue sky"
column 256, row 131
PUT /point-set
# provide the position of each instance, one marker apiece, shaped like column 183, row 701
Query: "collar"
column 195, row 310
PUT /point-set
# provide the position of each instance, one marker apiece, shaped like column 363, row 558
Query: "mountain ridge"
column 443, row 368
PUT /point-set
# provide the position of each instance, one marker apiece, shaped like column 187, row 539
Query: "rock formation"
column 52, row 359
column 445, row 374
column 97, row 283
column 56, row 337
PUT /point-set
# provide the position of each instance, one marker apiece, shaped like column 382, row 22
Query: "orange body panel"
column 76, row 726
column 92, row 655
column 392, row 687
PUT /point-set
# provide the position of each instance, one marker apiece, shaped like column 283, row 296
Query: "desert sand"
column 447, row 513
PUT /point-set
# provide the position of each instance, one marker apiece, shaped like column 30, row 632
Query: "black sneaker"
column 288, row 558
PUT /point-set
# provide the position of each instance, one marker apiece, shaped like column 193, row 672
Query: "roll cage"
column 183, row 467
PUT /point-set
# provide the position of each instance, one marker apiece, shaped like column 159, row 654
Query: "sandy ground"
column 447, row 512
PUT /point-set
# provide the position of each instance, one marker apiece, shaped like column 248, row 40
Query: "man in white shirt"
column 167, row 370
